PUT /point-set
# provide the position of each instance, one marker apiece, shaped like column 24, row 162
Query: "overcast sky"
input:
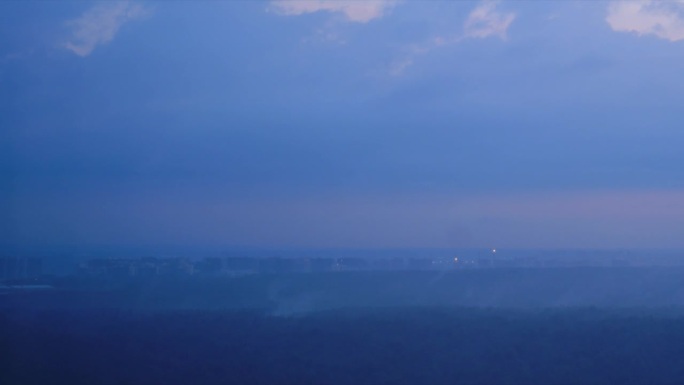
column 510, row 124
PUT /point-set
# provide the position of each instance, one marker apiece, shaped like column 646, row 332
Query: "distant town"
column 26, row 270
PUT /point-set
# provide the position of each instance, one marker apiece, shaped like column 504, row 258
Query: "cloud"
column 327, row 34
column 100, row 24
column 354, row 10
column 664, row 19
column 485, row 21
column 398, row 67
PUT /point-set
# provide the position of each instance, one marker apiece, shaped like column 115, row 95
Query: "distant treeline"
column 295, row 293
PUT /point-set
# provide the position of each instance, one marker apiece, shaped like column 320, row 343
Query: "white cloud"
column 398, row 67
column 327, row 35
column 664, row 19
column 359, row 11
column 100, row 24
column 485, row 21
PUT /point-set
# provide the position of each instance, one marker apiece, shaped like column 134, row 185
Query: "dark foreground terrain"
column 574, row 326
column 353, row 346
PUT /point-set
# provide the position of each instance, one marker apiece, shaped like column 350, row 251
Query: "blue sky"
column 519, row 124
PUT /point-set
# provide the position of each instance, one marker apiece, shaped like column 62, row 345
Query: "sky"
column 342, row 124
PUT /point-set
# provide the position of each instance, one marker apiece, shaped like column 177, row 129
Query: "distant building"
column 110, row 267
column 212, row 265
column 321, row 264
column 176, row 267
column 346, row 264
column 137, row 267
column 241, row 265
column 277, row 265
column 12, row 268
column 388, row 264
column 420, row 264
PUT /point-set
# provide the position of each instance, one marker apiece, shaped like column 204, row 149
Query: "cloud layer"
column 485, row 21
column 100, row 24
column 354, row 11
column 664, row 19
